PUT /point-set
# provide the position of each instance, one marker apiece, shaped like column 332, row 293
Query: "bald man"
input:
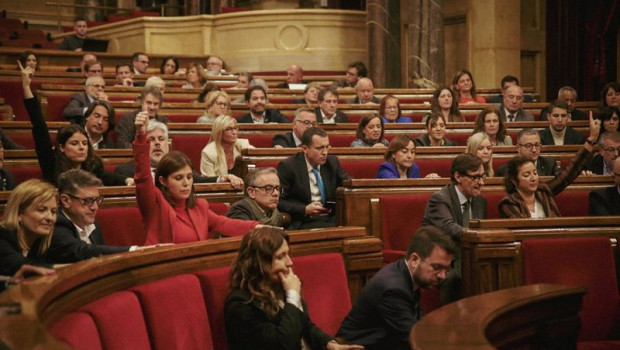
column 294, row 75
column 365, row 91
column 511, row 109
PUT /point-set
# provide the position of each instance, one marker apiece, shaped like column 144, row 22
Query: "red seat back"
column 363, row 169
column 215, row 289
column 573, row 203
column 115, row 227
column 78, row 330
column 493, row 199
column 191, row 145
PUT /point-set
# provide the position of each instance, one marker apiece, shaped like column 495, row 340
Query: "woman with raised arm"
column 264, row 309
column 72, row 149
column 171, row 211
column 528, row 198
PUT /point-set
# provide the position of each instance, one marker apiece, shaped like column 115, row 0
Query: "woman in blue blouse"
column 399, row 160
column 389, row 110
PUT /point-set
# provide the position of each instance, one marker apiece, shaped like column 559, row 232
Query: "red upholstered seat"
column 175, row 313
column 78, row 330
column 121, row 226
column 573, row 203
column 191, row 145
column 55, row 105
column 336, row 140
column 24, row 173
column 183, row 118
column 120, row 321
column 493, row 199
column 439, row 166
column 363, row 169
column 259, row 140
column 585, row 262
column 214, row 284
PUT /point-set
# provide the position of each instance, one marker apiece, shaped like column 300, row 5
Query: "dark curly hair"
column 511, row 179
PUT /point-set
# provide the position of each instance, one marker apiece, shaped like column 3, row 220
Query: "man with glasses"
column 151, row 100
column 389, row 304
column 262, row 198
column 309, row 181
column 93, row 91
column 528, row 145
column 256, row 100
column 77, row 236
column 451, row 208
column 609, row 149
column 606, row 201
column 511, row 109
column 327, row 112
column 304, row 120
column 558, row 132
column 140, row 62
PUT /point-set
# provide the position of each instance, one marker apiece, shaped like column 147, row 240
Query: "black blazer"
column 7, row 181
column 74, row 111
column 605, row 201
column 128, row 169
column 576, row 114
column 340, row 116
column 285, row 140
column 11, row 257
column 385, row 310
column 67, row 247
column 271, row 116
column 248, row 327
column 597, row 165
column 521, row 115
column 545, row 166
column 571, row 137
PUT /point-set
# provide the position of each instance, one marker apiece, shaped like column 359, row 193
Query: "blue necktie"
column 319, row 183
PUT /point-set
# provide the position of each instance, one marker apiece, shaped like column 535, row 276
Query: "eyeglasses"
column 87, row 201
column 530, row 145
column 437, row 268
column 306, row 122
column 269, row 189
column 612, row 150
column 144, row 62
column 231, row 129
column 475, row 178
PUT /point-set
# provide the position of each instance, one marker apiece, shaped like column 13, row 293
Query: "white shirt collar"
column 297, row 140
column 84, row 233
column 462, row 198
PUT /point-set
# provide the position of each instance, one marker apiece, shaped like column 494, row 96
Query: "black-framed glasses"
column 437, row 268
column 269, row 189
column 87, row 201
column 475, row 178
column 612, row 149
column 530, row 145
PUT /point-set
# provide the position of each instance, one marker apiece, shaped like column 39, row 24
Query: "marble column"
column 383, row 26
column 424, row 36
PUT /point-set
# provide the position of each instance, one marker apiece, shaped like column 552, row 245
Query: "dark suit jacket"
column 500, row 98
column 295, row 183
column 11, row 257
column 545, row 166
column 67, row 247
column 74, row 112
column 128, row 169
column 605, row 201
column 271, row 116
column 356, row 100
column 248, row 327
column 574, row 115
column 596, row 165
column 444, row 210
column 126, row 130
column 285, row 140
column 7, row 181
column 571, row 137
column 521, row 115
column 340, row 116
column 385, row 310
column 424, row 140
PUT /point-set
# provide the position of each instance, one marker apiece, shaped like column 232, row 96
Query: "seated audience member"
column 311, row 93
column 29, row 59
column 507, row 81
column 511, row 109
column 529, row 146
column 93, row 69
column 243, row 81
column 256, row 100
column 463, row 84
column 327, row 112
column 399, row 159
column 217, row 104
column 7, row 181
column 169, row 65
column 93, row 91
column 435, row 133
column 309, row 180
column 98, row 123
column 527, row 197
column 609, row 119
column 489, row 122
column 140, row 62
column 389, row 305
column 77, row 235
column 390, row 112
column 208, row 88
column 479, row 144
column 264, row 308
column 86, row 58
column 261, row 200
column 215, row 66
column 445, row 102
column 558, row 132
column 304, row 120
column 27, row 226
column 254, row 82
column 75, row 42
column 450, row 210
column 155, row 81
column 609, row 149
column 294, row 75
column 150, row 100
column 606, row 201
column 365, row 91
column 219, row 155
column 610, row 95
column 567, row 94
column 71, row 150
column 124, row 75
column 370, row 132
column 355, row 71
column 7, row 143
column 195, row 76
column 173, row 213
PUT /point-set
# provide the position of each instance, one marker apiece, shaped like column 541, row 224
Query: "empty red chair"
column 214, row 284
column 121, row 226
column 78, row 330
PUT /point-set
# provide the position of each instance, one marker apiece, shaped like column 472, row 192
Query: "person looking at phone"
column 150, row 102
column 308, row 182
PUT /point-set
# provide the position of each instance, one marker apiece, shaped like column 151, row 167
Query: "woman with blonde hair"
column 217, row 103
column 195, row 76
column 479, row 144
column 218, row 157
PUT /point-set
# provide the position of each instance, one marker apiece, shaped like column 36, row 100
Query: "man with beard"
column 558, row 132
column 262, row 197
column 98, row 122
column 151, row 100
column 389, row 305
column 256, row 100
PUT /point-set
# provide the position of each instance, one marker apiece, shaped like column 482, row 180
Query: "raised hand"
column 141, row 123
column 27, row 74
column 595, row 128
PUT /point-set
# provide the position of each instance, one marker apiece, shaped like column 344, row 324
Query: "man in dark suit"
column 609, row 149
column 355, row 71
column 294, row 75
column 77, row 236
column 309, row 180
column 389, row 305
column 151, row 100
column 365, row 91
column 327, row 112
column 511, row 109
column 74, row 42
column 507, row 81
column 569, row 95
column 451, row 208
column 304, row 120
column 606, row 201
column 528, row 145
column 558, row 132
column 93, row 90
column 256, row 100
